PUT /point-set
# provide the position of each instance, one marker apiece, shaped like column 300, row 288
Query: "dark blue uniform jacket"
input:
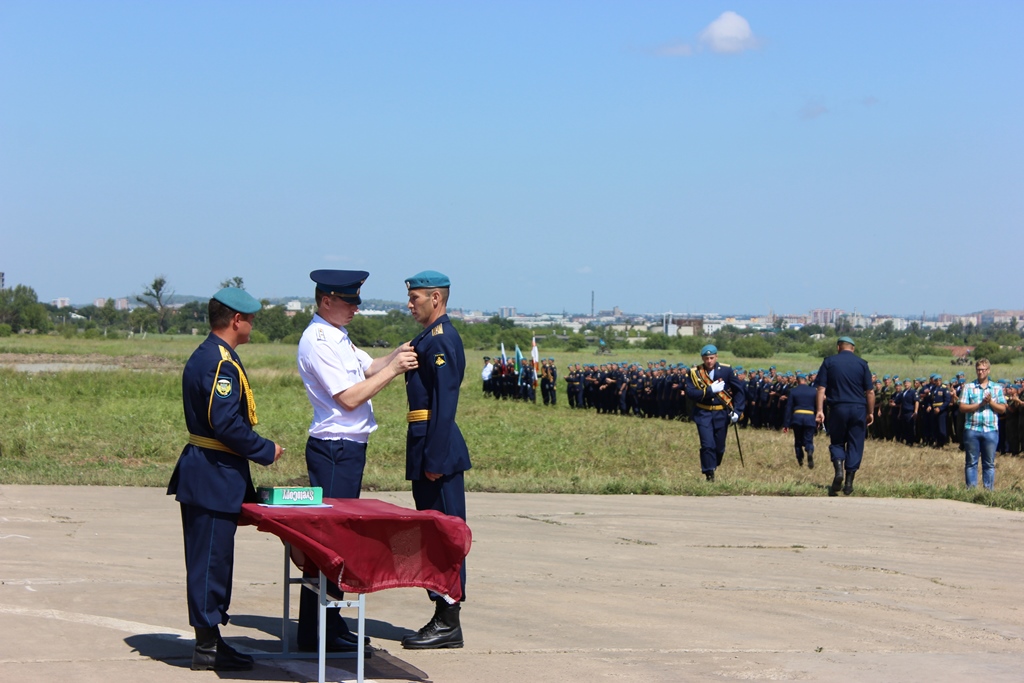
column 216, row 408
column 802, row 398
column 706, row 397
column 436, row 445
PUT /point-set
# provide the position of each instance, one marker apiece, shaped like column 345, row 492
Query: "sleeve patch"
column 223, row 387
column 439, row 360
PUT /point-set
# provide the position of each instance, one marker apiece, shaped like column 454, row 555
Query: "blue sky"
column 684, row 156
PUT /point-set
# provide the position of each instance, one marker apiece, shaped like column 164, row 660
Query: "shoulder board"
column 224, row 353
column 437, row 330
column 725, row 365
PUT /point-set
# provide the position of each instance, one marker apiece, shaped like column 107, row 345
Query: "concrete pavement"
column 561, row 588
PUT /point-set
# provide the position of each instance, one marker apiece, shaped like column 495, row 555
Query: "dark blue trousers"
column 712, row 428
column 847, row 425
column 209, row 563
column 803, row 441
column 448, row 495
column 336, row 466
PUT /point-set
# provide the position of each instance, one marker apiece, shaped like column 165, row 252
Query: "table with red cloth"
column 366, row 545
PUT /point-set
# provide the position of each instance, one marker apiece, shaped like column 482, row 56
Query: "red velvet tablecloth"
column 369, row 545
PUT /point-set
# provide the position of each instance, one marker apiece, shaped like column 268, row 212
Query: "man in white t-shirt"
column 340, row 380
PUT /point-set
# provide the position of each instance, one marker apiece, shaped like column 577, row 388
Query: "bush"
column 258, row 337
column 754, row 346
column 5, row 330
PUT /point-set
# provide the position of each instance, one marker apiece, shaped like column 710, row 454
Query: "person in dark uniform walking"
column 211, row 479
column 800, row 418
column 436, row 456
column 845, row 381
column 719, row 399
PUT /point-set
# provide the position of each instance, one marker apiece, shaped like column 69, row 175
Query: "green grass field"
column 124, row 426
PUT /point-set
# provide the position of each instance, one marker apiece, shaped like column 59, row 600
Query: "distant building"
column 293, row 306
column 120, row 304
column 507, row 312
column 62, row 302
column 825, row 316
column 686, row 327
column 99, row 303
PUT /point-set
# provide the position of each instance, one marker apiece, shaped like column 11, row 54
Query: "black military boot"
column 709, row 476
column 810, row 460
column 442, row 631
column 848, row 487
column 837, row 480
column 799, row 461
column 212, row 652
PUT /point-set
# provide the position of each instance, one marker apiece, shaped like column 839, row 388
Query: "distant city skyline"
column 503, row 310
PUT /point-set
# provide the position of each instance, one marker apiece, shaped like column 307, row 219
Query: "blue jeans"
column 984, row 444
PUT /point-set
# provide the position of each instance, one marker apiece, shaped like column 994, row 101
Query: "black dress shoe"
column 213, row 653
column 353, row 638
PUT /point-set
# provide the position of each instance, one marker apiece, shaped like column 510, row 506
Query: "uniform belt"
column 707, row 407
column 804, row 412
column 206, row 442
column 417, row 416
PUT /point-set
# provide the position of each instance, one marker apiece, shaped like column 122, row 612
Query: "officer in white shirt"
column 340, row 380
column 486, row 373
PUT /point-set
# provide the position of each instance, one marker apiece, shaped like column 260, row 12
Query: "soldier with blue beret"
column 211, row 479
column 436, row 456
column 719, row 399
column 845, row 380
column 340, row 380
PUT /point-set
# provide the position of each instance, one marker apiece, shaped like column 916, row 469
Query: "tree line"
column 20, row 311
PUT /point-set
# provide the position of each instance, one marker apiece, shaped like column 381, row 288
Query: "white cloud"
column 729, row 34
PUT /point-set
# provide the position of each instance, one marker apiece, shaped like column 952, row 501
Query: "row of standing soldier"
column 917, row 412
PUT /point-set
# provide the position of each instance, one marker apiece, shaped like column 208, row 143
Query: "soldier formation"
column 922, row 412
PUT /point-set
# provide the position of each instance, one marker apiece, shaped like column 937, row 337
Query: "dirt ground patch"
column 87, row 361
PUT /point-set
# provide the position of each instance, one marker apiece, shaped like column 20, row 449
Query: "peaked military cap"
column 343, row 284
column 238, row 300
column 427, row 279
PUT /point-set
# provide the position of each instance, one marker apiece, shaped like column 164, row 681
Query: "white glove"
column 717, row 385
column 734, row 417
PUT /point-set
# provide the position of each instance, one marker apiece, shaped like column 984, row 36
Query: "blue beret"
column 738, row 368
column 801, row 375
column 428, row 279
column 709, row 350
column 936, row 375
column 343, row 284
column 238, row 300
column 846, row 340
column 885, row 377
